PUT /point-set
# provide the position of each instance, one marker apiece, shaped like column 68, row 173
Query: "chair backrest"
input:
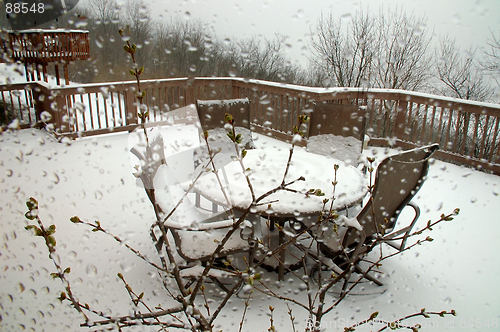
column 337, row 119
column 211, row 112
column 398, row 179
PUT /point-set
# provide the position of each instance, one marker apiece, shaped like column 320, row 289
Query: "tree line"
column 394, row 50
column 170, row 48
column 384, row 49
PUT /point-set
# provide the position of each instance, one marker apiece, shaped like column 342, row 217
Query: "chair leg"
column 346, row 283
column 220, row 284
column 365, row 274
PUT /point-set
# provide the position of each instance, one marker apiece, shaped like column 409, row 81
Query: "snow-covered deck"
column 91, row 178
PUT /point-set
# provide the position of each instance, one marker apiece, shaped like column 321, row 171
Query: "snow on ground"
column 11, row 73
column 91, row 178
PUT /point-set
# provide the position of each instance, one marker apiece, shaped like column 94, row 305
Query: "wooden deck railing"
column 44, row 46
column 468, row 132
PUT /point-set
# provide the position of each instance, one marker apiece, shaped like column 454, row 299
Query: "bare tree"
column 102, row 19
column 103, row 10
column 183, row 48
column 401, row 60
column 343, row 51
column 386, row 51
column 263, row 59
column 459, row 73
column 137, row 16
column 492, row 62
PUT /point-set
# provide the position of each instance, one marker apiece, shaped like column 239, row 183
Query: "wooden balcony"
column 37, row 48
column 40, row 46
column 467, row 132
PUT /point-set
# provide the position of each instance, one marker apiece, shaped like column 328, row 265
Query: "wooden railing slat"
column 485, row 136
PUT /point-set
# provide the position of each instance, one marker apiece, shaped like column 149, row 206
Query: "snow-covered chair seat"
column 337, row 131
column 346, row 149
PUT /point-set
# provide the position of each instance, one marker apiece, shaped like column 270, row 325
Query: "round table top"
column 266, row 167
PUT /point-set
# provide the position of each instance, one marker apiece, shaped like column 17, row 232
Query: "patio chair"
column 337, row 131
column 195, row 234
column 398, row 179
column 211, row 114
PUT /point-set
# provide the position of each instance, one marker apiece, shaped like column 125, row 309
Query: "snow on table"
column 266, row 169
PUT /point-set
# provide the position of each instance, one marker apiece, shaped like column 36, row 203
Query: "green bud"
column 38, row 231
column 30, row 215
column 51, row 230
column 228, row 118
column 62, row 297
column 52, row 240
column 75, row 220
column 32, row 204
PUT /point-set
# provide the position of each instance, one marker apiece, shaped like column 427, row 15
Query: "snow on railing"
column 467, row 131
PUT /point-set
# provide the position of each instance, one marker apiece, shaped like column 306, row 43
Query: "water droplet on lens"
column 91, row 270
column 98, row 195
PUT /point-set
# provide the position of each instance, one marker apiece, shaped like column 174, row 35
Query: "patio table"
column 265, row 169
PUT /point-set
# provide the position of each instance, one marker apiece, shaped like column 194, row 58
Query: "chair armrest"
column 389, row 239
column 358, row 250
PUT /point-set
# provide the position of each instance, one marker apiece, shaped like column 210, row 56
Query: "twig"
column 272, row 328
column 50, row 243
column 292, row 319
column 426, row 314
column 245, row 310
column 98, row 228
column 206, row 300
column 216, row 172
column 136, row 299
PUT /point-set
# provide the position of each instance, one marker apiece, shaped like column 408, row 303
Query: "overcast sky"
column 468, row 21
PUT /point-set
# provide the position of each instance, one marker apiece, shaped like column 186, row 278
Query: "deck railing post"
column 50, row 107
column 400, row 125
column 189, row 95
